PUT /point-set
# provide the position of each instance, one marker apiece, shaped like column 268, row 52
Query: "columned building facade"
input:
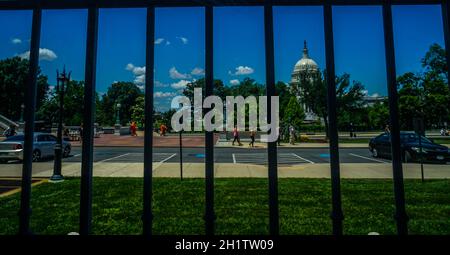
column 305, row 70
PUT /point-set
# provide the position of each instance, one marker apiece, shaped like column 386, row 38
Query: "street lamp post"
column 118, row 115
column 117, row 126
column 22, row 107
column 61, row 80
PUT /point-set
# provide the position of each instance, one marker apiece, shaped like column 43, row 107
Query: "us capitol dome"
column 306, row 69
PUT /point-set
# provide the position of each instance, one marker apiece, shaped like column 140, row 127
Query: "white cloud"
column 159, row 40
column 137, row 70
column 234, row 82
column 174, row 74
column 184, row 40
column 242, row 70
column 180, row 85
column 139, row 79
column 16, row 41
column 159, row 84
column 161, row 94
column 198, row 71
column 44, row 54
column 167, row 43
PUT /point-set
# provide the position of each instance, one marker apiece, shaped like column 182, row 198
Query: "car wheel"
column 375, row 153
column 66, row 152
column 36, row 155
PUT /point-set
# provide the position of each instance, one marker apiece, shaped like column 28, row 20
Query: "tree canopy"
column 13, row 83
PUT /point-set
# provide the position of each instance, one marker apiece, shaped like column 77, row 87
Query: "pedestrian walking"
column 252, row 138
column 292, row 135
column 162, row 130
column 351, row 129
column 133, row 128
column 236, row 136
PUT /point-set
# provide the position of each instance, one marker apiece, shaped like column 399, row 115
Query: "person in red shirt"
column 133, row 128
column 236, row 136
column 162, row 130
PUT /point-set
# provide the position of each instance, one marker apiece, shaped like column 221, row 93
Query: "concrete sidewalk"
column 230, row 170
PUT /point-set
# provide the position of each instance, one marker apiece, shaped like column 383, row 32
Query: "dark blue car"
column 411, row 148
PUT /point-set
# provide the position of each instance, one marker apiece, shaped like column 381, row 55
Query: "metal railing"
column 209, row 217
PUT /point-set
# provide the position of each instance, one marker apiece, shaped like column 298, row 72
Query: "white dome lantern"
column 306, row 63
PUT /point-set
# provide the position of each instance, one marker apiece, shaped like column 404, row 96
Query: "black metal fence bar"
column 272, row 146
column 89, row 102
column 88, row 123
column 399, row 192
column 446, row 22
column 147, row 216
column 336, row 213
column 30, row 109
column 76, row 4
column 209, row 136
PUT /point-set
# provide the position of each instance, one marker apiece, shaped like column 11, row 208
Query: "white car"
column 43, row 146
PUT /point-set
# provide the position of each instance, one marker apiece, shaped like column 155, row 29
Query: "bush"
column 303, row 138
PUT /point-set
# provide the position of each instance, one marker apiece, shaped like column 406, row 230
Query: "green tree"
column 293, row 113
column 125, row 93
column 73, row 105
column 350, row 103
column 137, row 111
column 425, row 94
column 13, row 83
column 219, row 89
column 283, row 91
column 377, row 116
column 349, row 98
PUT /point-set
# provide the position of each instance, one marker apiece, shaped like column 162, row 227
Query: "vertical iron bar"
column 88, row 121
column 30, row 109
column 400, row 214
column 147, row 216
column 272, row 146
column 446, row 21
column 181, row 156
column 57, row 176
column 209, row 136
column 336, row 214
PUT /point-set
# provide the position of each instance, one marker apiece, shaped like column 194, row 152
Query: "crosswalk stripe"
column 261, row 158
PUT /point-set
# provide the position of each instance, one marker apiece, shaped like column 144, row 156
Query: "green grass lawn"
column 241, row 206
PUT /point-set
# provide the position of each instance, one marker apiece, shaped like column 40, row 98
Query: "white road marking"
column 158, row 164
column 261, row 158
column 171, row 156
column 98, row 162
column 307, row 160
column 376, row 160
column 77, row 155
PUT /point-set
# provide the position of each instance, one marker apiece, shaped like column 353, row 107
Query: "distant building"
column 306, row 69
column 371, row 100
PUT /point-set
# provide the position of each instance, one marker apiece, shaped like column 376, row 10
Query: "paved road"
column 227, row 155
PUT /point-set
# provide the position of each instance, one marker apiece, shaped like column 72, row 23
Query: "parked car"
column 43, row 146
column 380, row 146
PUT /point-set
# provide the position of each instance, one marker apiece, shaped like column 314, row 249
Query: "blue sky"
column 238, row 43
